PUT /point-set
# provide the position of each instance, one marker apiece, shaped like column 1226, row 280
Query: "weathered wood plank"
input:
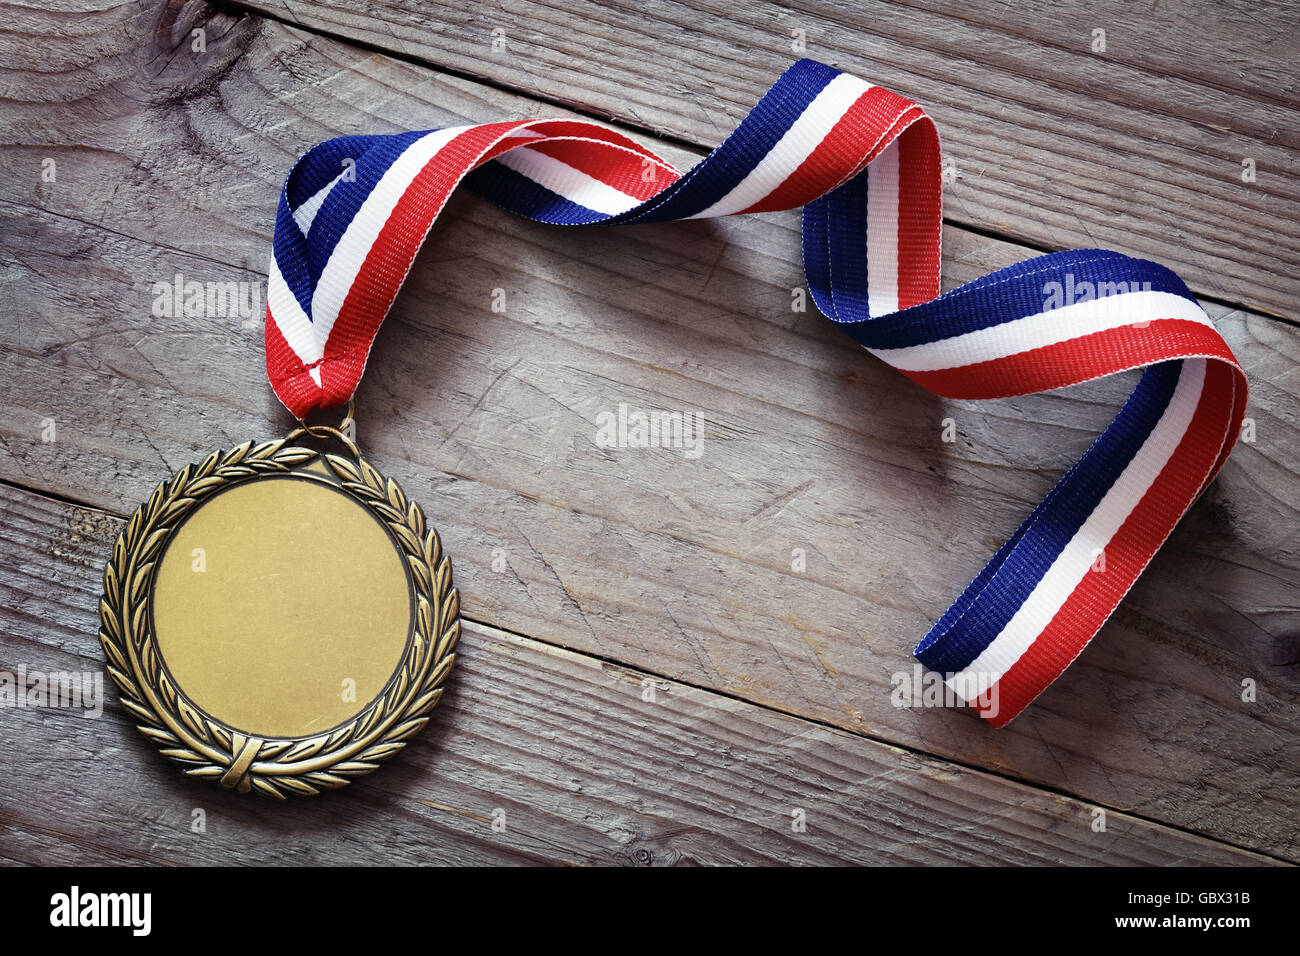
column 1138, row 148
column 585, row 768
column 171, row 163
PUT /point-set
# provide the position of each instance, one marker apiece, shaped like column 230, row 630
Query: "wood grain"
column 170, row 162
column 562, row 750
column 1138, row 148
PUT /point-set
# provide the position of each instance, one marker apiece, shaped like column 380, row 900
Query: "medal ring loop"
column 338, row 433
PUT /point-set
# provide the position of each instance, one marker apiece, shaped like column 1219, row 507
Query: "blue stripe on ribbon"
column 846, row 247
column 1012, row 293
column 703, row 185
column 817, row 255
column 289, row 249
column 988, row 603
column 323, row 162
column 346, row 198
column 302, row 259
column 727, row 166
column 520, row 195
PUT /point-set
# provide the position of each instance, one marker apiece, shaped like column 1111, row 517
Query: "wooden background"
column 772, row 686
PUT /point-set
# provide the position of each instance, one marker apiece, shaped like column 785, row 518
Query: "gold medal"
column 279, row 619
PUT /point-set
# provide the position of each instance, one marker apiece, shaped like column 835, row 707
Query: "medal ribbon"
column 864, row 164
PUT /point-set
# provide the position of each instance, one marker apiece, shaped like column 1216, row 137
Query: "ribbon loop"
column 864, row 163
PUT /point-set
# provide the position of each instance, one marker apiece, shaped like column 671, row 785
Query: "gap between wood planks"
column 986, row 63
column 640, row 673
column 1152, row 840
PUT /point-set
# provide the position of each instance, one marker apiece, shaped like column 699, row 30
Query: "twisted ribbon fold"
column 864, row 164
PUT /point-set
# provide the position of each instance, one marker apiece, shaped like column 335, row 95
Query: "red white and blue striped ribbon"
column 864, row 163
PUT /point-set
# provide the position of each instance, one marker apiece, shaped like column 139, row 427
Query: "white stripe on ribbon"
column 350, row 253
column 1042, row 329
column 290, row 319
column 790, row 151
column 882, row 232
column 567, row 181
column 305, row 214
column 1074, row 562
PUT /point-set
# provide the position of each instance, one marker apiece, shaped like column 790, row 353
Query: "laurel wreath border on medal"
column 211, row 750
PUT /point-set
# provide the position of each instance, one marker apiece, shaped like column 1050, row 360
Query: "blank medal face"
column 282, row 606
column 279, row 620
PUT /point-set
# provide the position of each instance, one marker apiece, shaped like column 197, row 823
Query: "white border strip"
column 289, row 317
column 882, row 232
column 305, row 214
